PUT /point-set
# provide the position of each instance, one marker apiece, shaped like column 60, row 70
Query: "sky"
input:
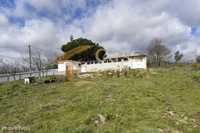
column 121, row 26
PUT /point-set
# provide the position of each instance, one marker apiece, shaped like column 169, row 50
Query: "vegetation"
column 157, row 52
column 196, row 66
column 86, row 50
column 40, row 62
column 198, row 59
column 157, row 101
column 76, row 43
column 196, row 76
column 77, row 50
column 178, row 56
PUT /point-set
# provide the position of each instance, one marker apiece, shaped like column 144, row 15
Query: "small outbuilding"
column 134, row 61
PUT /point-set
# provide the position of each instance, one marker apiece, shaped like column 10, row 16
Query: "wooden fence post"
column 69, row 72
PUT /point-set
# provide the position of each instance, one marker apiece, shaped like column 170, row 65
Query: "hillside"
column 164, row 100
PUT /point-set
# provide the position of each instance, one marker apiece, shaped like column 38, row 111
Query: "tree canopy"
column 76, row 43
column 198, row 59
column 157, row 52
column 82, row 49
column 178, row 56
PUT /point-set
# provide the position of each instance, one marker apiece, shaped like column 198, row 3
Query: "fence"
column 20, row 76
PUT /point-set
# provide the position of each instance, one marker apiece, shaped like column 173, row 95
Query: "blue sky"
column 7, row 3
column 120, row 26
column 73, row 12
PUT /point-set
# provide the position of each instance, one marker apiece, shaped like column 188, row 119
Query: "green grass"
column 165, row 100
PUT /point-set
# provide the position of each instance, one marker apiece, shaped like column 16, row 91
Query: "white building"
column 136, row 61
column 63, row 64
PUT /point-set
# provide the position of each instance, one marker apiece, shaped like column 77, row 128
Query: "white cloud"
column 60, row 8
column 3, row 20
column 127, row 25
column 186, row 10
column 120, row 26
column 39, row 33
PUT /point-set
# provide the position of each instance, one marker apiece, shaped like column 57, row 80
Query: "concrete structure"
column 63, row 64
column 136, row 61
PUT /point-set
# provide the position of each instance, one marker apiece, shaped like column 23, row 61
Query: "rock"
column 177, row 123
column 171, row 113
column 183, row 121
column 185, row 118
column 99, row 120
column 96, row 122
column 102, row 118
column 85, row 76
column 193, row 120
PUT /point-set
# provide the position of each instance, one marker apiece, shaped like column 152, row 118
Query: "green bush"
column 196, row 76
column 52, row 79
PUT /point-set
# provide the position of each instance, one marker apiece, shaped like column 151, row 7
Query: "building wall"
column 135, row 63
column 131, row 63
column 62, row 66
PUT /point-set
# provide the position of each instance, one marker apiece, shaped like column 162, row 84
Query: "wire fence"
column 21, row 76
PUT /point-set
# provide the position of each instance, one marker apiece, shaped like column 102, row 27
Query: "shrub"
column 52, row 79
column 180, row 65
column 196, row 66
column 140, row 73
column 60, row 78
column 198, row 59
column 196, row 76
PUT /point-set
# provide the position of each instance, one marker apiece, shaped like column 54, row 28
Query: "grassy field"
column 165, row 100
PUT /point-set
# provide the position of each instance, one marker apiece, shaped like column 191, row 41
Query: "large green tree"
column 82, row 49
